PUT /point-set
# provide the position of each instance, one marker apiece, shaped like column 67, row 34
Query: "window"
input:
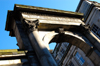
column 79, row 58
column 62, row 51
column 65, row 44
column 81, row 61
column 71, row 64
column 98, row 33
column 96, row 30
column 57, row 60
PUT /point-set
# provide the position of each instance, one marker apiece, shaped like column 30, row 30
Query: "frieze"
column 49, row 17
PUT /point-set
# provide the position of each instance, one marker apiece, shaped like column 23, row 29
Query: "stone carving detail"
column 30, row 25
column 85, row 28
column 61, row 30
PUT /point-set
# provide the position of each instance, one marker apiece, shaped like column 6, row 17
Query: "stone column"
column 25, row 43
column 32, row 58
column 42, row 52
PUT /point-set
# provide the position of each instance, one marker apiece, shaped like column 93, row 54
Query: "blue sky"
column 7, row 42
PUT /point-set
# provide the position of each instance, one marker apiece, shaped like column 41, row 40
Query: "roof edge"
column 7, row 19
column 18, row 6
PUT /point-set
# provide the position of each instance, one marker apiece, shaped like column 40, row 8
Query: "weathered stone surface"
column 50, row 20
column 95, row 58
column 42, row 52
column 78, row 40
column 46, row 10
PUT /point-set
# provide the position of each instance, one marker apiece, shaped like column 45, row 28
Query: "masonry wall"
column 7, row 60
column 71, row 58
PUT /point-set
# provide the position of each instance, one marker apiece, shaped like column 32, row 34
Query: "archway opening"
column 79, row 49
column 52, row 45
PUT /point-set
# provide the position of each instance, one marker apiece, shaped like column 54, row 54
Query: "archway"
column 73, row 38
column 52, row 45
column 76, row 39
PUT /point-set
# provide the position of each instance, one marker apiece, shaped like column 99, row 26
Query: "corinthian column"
column 42, row 52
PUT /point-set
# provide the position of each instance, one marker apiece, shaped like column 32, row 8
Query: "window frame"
column 79, row 58
column 95, row 29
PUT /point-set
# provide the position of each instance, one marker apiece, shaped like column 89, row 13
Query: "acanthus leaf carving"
column 30, row 26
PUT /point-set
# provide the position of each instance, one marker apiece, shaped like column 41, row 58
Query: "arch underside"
column 77, row 39
column 74, row 38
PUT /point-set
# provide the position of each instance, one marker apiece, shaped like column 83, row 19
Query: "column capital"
column 85, row 28
column 30, row 25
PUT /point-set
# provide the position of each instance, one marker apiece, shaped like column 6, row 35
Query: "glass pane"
column 81, row 61
column 77, row 55
column 98, row 33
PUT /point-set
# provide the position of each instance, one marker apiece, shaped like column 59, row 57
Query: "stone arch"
column 73, row 38
column 76, row 39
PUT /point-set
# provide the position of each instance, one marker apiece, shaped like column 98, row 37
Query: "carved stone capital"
column 30, row 26
column 85, row 28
